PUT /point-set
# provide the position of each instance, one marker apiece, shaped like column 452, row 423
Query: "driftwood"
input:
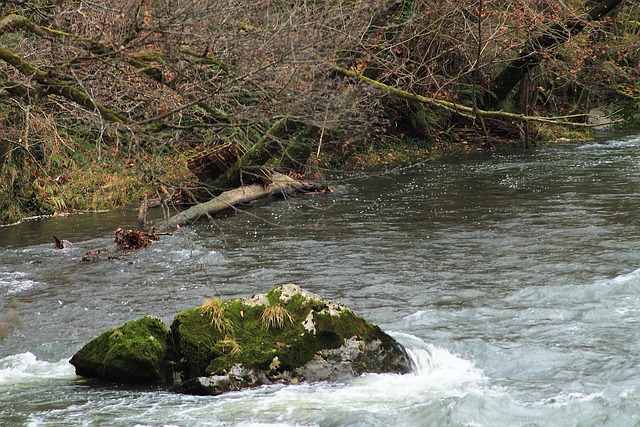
column 280, row 185
column 127, row 241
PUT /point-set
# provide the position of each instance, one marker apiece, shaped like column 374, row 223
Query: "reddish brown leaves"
column 134, row 239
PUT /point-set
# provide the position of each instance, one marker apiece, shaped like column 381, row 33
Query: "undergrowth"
column 64, row 164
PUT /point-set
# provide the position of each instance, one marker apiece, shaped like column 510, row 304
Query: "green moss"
column 194, row 335
column 274, row 295
column 205, row 350
column 140, row 351
column 559, row 133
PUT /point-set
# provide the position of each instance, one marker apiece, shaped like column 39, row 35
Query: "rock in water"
column 287, row 335
column 138, row 352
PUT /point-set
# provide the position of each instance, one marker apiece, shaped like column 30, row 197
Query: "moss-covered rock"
column 286, row 335
column 138, row 352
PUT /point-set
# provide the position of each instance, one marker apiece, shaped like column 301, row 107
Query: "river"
column 513, row 280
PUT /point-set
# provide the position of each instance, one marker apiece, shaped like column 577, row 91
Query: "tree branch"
column 529, row 57
column 468, row 111
column 140, row 62
column 52, row 86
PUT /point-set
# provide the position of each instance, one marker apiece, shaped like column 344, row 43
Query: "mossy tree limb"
column 298, row 150
column 18, row 89
column 53, row 86
column 271, row 145
column 470, row 112
column 142, row 62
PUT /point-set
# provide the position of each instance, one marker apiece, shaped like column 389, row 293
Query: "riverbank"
column 78, row 182
column 80, row 176
column 101, row 107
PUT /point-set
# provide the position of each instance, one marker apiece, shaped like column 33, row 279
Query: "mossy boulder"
column 138, row 352
column 287, row 335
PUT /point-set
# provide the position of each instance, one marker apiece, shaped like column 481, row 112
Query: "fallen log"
column 127, row 241
column 280, row 185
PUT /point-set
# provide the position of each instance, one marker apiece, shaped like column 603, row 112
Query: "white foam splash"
column 438, row 364
column 625, row 278
column 22, row 367
column 438, row 374
column 15, row 281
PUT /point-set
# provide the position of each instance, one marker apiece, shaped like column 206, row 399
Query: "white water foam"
column 437, row 364
column 368, row 400
column 437, row 374
column 566, row 399
column 632, row 277
column 19, row 368
column 15, row 281
column 371, row 399
column 616, row 143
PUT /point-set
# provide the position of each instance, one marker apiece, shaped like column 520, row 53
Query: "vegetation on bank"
column 102, row 104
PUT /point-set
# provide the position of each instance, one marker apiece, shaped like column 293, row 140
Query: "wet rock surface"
column 285, row 336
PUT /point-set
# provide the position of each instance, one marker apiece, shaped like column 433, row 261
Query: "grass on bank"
column 47, row 170
column 50, row 166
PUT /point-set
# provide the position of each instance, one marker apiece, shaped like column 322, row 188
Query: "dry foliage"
column 228, row 345
column 215, row 308
column 274, row 316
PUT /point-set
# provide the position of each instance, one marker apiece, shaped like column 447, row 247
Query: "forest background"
column 102, row 103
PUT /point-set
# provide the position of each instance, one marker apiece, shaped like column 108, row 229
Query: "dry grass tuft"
column 215, row 308
column 229, row 345
column 274, row 316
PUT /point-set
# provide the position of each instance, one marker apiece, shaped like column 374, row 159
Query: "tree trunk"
column 530, row 56
column 280, row 185
column 248, row 167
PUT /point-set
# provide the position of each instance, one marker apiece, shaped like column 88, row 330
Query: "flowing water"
column 512, row 279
